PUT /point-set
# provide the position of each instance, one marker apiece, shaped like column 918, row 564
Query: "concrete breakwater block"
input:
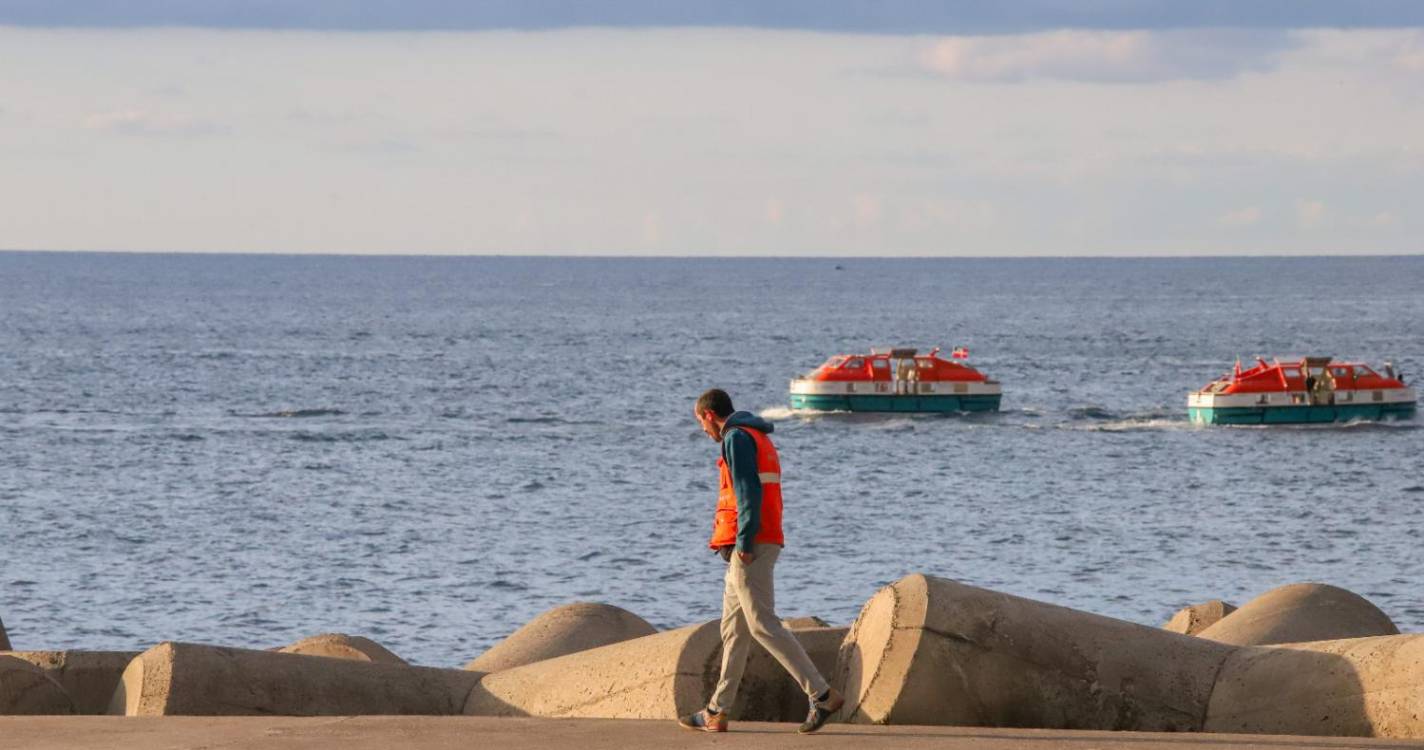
column 88, row 677
column 802, row 623
column 1362, row 687
column 4, row 637
column 25, row 689
column 927, row 650
column 563, row 630
column 660, row 676
column 342, row 646
column 823, row 645
column 183, row 679
column 1298, row 613
column 1198, row 617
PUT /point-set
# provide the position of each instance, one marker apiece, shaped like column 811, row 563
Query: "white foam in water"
column 1129, row 425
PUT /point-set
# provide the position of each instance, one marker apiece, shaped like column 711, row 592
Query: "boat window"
column 923, row 364
column 834, row 362
column 1363, row 372
column 879, row 364
column 855, row 364
column 1340, row 372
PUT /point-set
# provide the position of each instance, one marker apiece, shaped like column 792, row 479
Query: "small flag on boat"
column 960, row 353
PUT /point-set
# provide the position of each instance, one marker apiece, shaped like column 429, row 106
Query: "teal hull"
column 933, row 404
column 1299, row 414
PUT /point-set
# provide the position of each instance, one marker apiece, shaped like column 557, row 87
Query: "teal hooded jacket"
column 740, row 452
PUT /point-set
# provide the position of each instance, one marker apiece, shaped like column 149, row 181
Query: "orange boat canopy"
column 1277, row 377
column 900, row 364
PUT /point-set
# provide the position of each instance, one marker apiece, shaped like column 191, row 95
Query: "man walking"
column 746, row 532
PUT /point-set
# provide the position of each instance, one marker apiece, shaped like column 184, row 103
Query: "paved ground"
column 464, row 733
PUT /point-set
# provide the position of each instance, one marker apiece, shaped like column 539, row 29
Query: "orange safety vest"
column 724, row 524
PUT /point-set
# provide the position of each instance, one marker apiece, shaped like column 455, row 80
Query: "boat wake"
column 292, row 414
column 1098, row 419
column 782, row 413
column 877, row 421
column 1091, row 412
column 1354, row 425
column 1384, row 426
column 1080, row 419
column 1136, row 424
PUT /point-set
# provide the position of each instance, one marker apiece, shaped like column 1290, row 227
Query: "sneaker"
column 822, row 710
column 704, row 721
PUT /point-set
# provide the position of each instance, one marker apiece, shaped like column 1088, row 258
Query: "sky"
column 636, row 127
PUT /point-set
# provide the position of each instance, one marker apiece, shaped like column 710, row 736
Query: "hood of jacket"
column 747, row 419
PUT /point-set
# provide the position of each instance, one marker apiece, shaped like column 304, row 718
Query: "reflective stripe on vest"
column 724, row 522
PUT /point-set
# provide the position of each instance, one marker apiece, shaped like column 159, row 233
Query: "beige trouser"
column 749, row 612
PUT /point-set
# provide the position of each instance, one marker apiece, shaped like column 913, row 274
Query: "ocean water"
column 248, row 450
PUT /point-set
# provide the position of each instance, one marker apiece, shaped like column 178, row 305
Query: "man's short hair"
column 717, row 401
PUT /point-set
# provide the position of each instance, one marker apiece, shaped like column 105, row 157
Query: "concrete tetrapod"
column 4, row 637
column 1198, row 617
column 25, row 689
column 89, row 677
column 183, row 679
column 660, row 676
column 1361, row 687
column 823, row 645
column 342, row 646
column 563, row 630
column 932, row 651
column 1301, row 612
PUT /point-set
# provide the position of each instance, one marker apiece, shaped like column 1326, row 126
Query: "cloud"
column 380, row 146
column 652, row 228
column 345, row 142
column 145, row 123
column 867, row 210
column 937, row 215
column 854, row 16
column 1310, row 213
column 1242, row 218
column 1106, row 56
column 775, row 211
column 1409, row 55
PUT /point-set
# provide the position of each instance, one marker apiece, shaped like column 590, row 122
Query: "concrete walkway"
column 467, row 733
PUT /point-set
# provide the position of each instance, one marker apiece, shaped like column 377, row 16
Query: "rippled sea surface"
column 248, row 450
